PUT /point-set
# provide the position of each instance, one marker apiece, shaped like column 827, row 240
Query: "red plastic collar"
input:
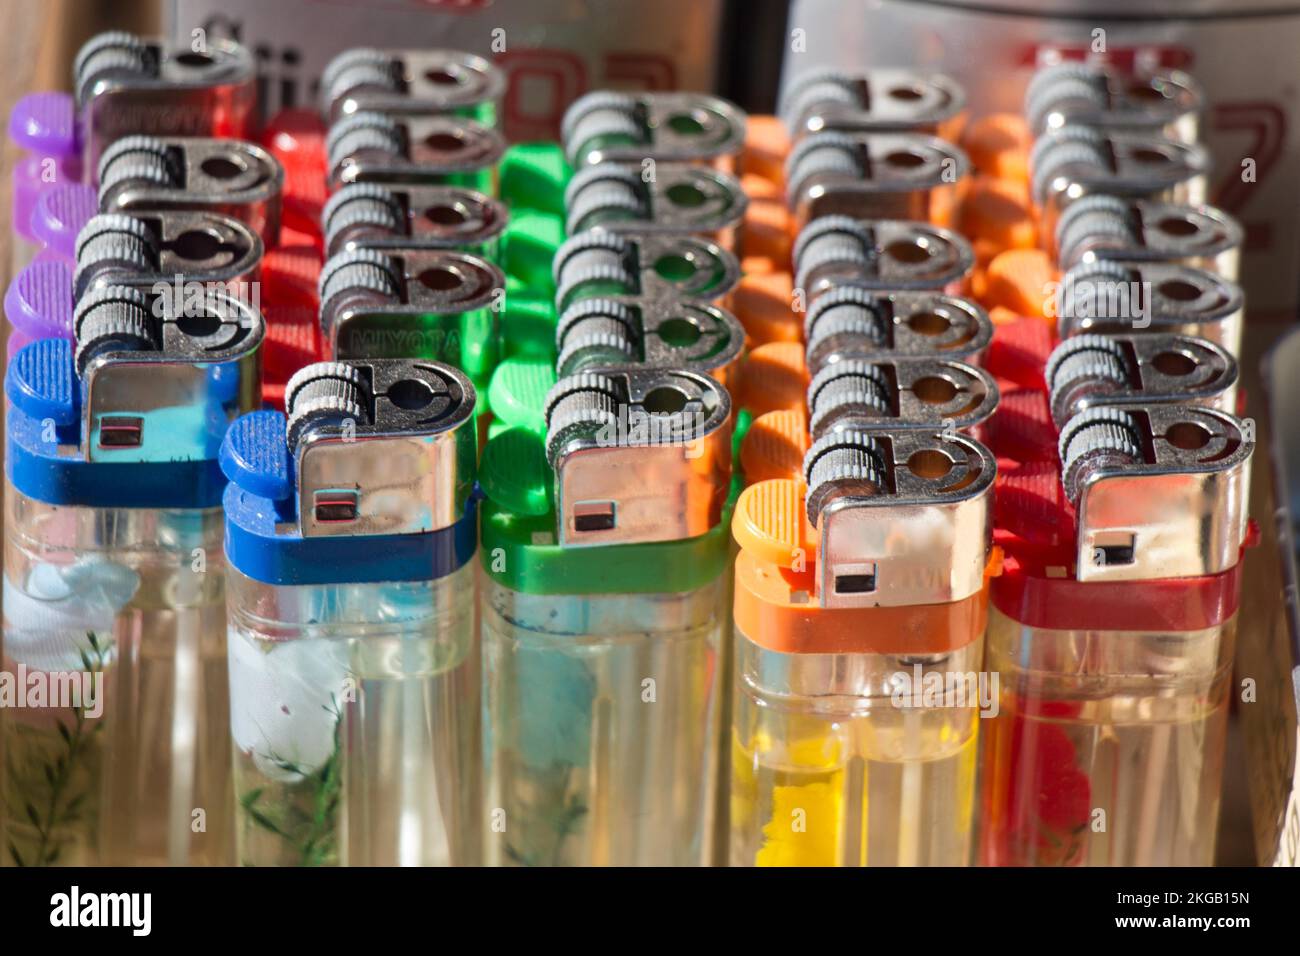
column 1175, row 604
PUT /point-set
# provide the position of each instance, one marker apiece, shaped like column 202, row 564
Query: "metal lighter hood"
column 608, row 126
column 901, row 517
column 1160, row 490
column 639, row 455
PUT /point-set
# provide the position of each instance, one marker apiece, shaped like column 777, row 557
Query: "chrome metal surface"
column 900, row 393
column 873, row 176
column 655, row 265
column 902, row 517
column 1119, row 370
column 166, row 395
column 883, row 254
column 1171, row 504
column 1114, row 297
column 408, row 81
column 227, row 176
column 663, row 126
column 178, row 248
column 1077, row 161
column 877, row 101
column 640, row 455
column 1158, row 102
column 130, row 85
column 1107, row 227
column 380, row 216
column 652, row 331
column 848, row 321
column 376, row 147
column 680, row 199
column 406, row 466
column 419, row 289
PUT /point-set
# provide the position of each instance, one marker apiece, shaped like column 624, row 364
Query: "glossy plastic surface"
column 355, row 722
column 129, row 604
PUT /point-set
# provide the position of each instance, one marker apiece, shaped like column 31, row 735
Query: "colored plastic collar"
column 260, row 501
column 46, row 416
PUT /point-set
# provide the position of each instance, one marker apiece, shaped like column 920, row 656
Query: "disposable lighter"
column 372, row 147
column 656, row 265
column 160, row 249
column 350, row 531
column 859, row 584
column 879, row 254
column 680, row 199
column 874, row 176
column 1120, row 297
column 125, row 85
column 412, row 303
column 114, row 580
column 649, row 332
column 850, row 321
column 414, row 216
column 1075, row 161
column 603, row 602
column 1139, row 369
column 1113, row 629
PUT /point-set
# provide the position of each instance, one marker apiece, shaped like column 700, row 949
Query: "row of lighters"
column 700, row 489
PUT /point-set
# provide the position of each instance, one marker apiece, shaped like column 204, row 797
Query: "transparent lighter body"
column 602, row 726
column 355, row 722
column 837, row 760
column 1108, row 746
column 128, row 606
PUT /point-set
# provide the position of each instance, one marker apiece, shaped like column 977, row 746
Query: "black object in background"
column 752, row 51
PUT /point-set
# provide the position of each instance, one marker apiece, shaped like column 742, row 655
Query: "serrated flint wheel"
column 113, row 319
column 842, row 310
column 578, row 404
column 598, row 309
column 114, row 243
column 115, row 53
column 593, row 257
column 842, row 462
column 142, row 158
column 832, row 240
column 817, row 88
column 1084, row 366
column 325, row 392
column 1055, row 153
column 363, row 270
column 1090, row 218
column 362, row 132
column 604, row 191
column 1046, row 97
column 596, row 343
column 355, row 69
column 599, row 117
column 825, row 153
column 369, row 205
column 1097, row 438
column 851, row 386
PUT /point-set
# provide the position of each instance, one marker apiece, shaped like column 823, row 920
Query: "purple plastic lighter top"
column 38, row 302
column 60, row 215
column 44, row 125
